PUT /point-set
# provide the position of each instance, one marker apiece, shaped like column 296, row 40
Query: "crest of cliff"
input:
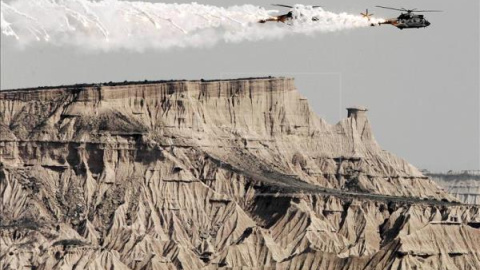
column 212, row 174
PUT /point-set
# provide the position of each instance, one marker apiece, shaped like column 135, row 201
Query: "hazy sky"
column 421, row 86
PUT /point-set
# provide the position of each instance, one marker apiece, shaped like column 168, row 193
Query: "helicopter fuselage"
column 406, row 20
column 280, row 18
column 297, row 12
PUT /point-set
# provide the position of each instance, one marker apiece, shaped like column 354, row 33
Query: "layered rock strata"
column 464, row 185
column 212, row 174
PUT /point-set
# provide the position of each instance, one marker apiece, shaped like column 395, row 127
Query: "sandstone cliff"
column 207, row 175
column 465, row 185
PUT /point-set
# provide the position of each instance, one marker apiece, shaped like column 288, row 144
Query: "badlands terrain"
column 232, row 174
column 464, row 185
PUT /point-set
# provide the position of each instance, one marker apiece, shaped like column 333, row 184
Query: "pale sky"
column 421, row 86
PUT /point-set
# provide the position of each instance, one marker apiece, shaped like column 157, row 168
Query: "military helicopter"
column 407, row 18
column 294, row 13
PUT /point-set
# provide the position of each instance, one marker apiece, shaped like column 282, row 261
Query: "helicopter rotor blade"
column 280, row 5
column 317, row 6
column 391, row 8
column 409, row 10
column 428, row 10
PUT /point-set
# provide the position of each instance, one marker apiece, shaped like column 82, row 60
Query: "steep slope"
column 266, row 120
column 193, row 174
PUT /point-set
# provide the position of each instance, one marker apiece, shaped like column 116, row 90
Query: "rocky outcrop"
column 208, row 175
column 465, row 185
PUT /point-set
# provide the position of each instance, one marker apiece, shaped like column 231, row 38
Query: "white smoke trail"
column 113, row 24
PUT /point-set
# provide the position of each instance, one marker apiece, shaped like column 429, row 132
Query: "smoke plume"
column 113, row 24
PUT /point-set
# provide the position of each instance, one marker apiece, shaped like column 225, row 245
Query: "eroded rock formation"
column 208, row 175
column 464, row 185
